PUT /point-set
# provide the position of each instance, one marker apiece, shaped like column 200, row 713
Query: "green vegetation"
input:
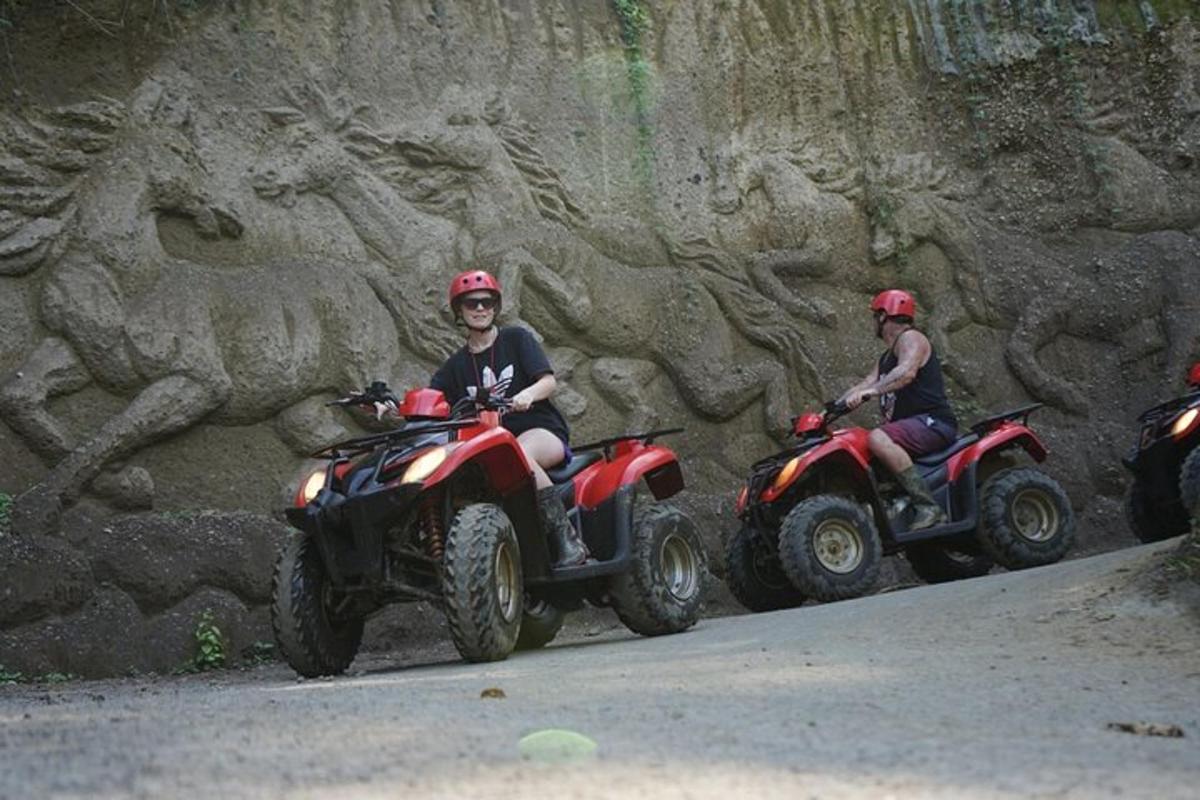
column 634, row 21
column 210, row 646
column 11, row 677
column 5, row 511
column 259, row 653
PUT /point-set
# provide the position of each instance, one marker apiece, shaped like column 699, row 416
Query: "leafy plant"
column 259, row 653
column 634, row 21
column 210, row 644
column 56, row 677
column 8, row 678
column 5, row 510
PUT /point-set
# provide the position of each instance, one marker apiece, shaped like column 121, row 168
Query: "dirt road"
column 1000, row 687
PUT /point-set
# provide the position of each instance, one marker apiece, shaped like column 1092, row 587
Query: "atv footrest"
column 946, row 529
column 592, row 569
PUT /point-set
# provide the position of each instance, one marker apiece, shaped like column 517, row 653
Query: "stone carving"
column 1006, row 280
column 474, row 165
column 182, row 341
column 810, row 228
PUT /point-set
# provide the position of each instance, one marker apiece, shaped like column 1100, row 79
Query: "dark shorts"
column 920, row 434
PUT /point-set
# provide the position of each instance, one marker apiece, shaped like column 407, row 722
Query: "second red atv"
column 816, row 519
column 444, row 509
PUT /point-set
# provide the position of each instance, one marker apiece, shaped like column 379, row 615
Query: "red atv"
column 444, row 509
column 817, row 518
column 1165, row 495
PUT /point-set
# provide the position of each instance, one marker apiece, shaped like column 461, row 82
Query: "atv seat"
column 933, row 459
column 564, row 472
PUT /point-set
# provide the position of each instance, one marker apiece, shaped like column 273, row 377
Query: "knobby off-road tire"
column 830, row 549
column 1025, row 519
column 1189, row 484
column 1149, row 524
column 934, row 563
column 311, row 642
column 755, row 576
column 540, row 623
column 663, row 589
column 482, row 583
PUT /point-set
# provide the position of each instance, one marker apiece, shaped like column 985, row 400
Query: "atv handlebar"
column 377, row 395
column 835, row 409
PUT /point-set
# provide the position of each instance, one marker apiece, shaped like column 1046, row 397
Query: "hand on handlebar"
column 853, row 399
column 521, row 401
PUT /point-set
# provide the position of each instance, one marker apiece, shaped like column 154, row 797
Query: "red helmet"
column 473, row 280
column 895, row 303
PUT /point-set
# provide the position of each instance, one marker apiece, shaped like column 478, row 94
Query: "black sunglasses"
column 479, row 303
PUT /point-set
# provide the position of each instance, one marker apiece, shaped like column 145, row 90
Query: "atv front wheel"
column 754, row 574
column 539, row 624
column 481, row 583
column 934, row 563
column 1189, row 484
column 314, row 641
column 663, row 588
column 1148, row 523
column 829, row 548
column 1025, row 519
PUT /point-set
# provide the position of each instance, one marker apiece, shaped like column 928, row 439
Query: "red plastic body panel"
column 1002, row 435
column 494, row 449
column 1194, row 375
column 424, row 404
column 806, row 423
column 631, row 460
column 850, row 442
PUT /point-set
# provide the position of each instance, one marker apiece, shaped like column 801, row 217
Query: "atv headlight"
column 312, row 485
column 786, row 474
column 1185, row 422
column 424, row 465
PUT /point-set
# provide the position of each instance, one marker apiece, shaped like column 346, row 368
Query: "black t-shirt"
column 925, row 395
column 513, row 362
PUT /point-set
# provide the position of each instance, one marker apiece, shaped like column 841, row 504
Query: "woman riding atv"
column 508, row 362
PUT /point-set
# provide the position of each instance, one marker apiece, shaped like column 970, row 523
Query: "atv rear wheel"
column 312, row 639
column 663, row 588
column 1189, row 484
column 829, row 548
column 1025, row 519
column 1149, row 524
column 934, row 563
column 539, row 624
column 754, row 574
column 481, row 583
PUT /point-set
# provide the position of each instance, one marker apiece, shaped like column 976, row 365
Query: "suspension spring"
column 431, row 523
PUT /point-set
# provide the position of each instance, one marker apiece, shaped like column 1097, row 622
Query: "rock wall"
column 214, row 218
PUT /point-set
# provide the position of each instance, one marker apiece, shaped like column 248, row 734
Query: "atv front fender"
column 497, row 453
column 842, row 453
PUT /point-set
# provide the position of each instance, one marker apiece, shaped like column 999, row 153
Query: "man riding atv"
column 912, row 399
column 509, row 362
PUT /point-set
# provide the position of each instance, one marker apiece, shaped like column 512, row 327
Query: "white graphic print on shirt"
column 496, row 387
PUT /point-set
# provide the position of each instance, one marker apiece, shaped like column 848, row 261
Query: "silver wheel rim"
column 679, row 569
column 838, row 546
column 1034, row 515
column 507, row 591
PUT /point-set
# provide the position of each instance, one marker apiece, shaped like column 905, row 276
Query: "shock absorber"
column 432, row 524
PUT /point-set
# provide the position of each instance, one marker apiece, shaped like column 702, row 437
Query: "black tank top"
column 925, row 395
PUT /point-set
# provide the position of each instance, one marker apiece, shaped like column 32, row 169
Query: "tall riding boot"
column 927, row 511
column 571, row 549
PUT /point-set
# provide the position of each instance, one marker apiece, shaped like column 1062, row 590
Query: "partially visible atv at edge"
column 817, row 518
column 1165, row 461
column 444, row 509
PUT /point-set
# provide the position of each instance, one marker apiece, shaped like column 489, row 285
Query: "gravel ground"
column 1004, row 686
